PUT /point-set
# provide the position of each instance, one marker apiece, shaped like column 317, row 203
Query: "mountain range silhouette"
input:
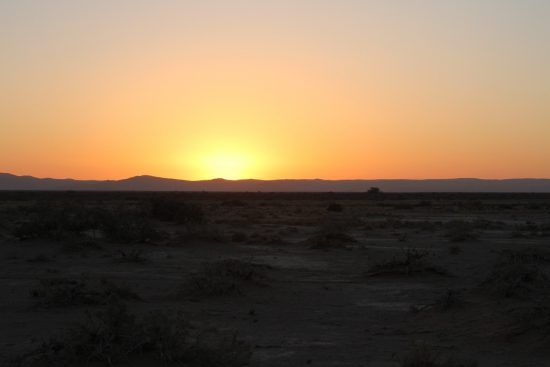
column 152, row 183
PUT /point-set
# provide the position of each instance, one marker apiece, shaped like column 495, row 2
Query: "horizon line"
column 276, row 179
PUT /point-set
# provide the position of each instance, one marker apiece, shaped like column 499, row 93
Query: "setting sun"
column 231, row 166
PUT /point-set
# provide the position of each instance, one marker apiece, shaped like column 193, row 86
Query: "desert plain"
column 274, row 279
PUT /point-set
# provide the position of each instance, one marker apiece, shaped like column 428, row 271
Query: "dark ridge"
column 152, row 183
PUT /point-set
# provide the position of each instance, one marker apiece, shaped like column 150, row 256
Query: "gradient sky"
column 275, row 89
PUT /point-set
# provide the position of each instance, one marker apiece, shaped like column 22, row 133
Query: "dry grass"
column 515, row 281
column 450, row 300
column 424, row 356
column 63, row 292
column 68, row 221
column 330, row 240
column 134, row 256
column 226, row 277
column 113, row 336
column 461, row 231
column 411, row 262
column 516, row 277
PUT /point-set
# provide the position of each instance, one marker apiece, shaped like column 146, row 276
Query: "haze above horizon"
column 275, row 89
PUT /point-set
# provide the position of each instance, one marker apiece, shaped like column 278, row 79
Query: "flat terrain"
column 299, row 279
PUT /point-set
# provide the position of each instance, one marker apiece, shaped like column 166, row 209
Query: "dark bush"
column 234, row 203
column 60, row 221
column 239, row 237
column 461, row 231
column 412, row 262
column 114, row 336
column 132, row 256
column 424, row 204
column 451, row 299
column 455, row 250
column 70, row 292
column 128, row 226
column 226, row 277
column 516, row 279
column 177, row 211
column 374, row 191
column 56, row 221
column 423, row 356
column 335, row 207
column 532, row 254
column 330, row 239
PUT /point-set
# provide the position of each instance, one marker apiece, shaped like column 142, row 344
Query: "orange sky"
column 286, row 89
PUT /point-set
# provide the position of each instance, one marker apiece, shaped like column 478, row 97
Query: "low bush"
column 533, row 254
column 62, row 292
column 234, row 203
column 461, row 231
column 132, row 256
column 239, row 237
column 55, row 221
column 455, row 250
column 423, row 356
column 510, row 278
column 450, row 300
column 59, row 221
column 113, row 336
column 335, row 207
column 128, row 226
column 411, row 262
column 166, row 209
column 82, row 246
column 330, row 239
column 40, row 258
column 374, row 191
column 226, row 277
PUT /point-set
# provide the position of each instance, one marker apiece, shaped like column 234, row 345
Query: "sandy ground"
column 328, row 306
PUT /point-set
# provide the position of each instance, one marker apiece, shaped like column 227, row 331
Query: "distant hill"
column 151, row 183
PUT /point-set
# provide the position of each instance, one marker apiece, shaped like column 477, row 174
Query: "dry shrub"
column 226, row 277
column 113, row 336
column 81, row 246
column 412, row 261
column 62, row 292
column 167, row 209
column 239, row 237
column 461, row 231
column 62, row 220
column 335, row 207
column 134, row 256
column 450, row 300
column 539, row 255
column 424, row 356
column 129, row 226
column 510, row 278
column 330, row 240
column 265, row 239
column 455, row 250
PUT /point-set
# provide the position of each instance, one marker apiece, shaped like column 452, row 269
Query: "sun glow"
column 227, row 165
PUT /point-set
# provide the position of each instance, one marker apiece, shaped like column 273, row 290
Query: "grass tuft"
column 226, row 277
column 63, row 292
column 412, row 261
column 113, row 336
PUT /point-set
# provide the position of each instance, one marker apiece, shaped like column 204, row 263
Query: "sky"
column 341, row 89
